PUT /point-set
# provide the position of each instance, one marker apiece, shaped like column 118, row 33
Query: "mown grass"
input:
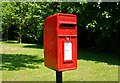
column 25, row 62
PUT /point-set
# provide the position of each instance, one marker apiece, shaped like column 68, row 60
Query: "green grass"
column 25, row 62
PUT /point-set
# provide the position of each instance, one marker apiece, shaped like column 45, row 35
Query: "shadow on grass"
column 33, row 46
column 110, row 59
column 20, row 61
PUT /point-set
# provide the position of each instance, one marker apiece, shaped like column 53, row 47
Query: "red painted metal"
column 58, row 30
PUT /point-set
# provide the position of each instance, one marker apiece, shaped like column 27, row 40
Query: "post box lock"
column 60, row 42
column 68, row 38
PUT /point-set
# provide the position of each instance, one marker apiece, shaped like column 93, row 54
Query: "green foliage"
column 98, row 23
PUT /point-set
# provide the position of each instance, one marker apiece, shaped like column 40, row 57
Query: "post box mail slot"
column 60, row 42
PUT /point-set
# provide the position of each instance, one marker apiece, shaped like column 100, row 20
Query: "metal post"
column 58, row 76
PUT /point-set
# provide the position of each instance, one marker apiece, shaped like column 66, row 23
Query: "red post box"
column 60, row 42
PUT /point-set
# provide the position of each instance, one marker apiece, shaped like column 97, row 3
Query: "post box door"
column 67, row 45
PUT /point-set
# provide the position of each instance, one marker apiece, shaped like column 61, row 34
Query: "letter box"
column 60, row 42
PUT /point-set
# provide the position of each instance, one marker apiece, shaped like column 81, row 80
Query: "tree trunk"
column 20, row 34
column 7, row 34
column 6, row 37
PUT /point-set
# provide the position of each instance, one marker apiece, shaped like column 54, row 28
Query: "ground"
column 25, row 62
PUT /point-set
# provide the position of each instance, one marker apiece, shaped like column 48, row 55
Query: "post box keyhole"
column 67, row 38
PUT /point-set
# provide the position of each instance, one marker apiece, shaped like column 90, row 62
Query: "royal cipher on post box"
column 60, row 42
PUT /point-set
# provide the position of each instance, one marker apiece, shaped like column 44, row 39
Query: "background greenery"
column 98, row 23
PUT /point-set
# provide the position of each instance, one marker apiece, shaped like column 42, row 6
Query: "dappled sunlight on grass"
column 25, row 62
column 90, row 71
column 16, row 57
column 94, row 66
column 20, row 61
column 110, row 59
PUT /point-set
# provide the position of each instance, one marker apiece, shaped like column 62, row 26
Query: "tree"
column 7, row 21
column 97, row 22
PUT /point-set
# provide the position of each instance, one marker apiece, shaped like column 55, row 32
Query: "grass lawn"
column 25, row 62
